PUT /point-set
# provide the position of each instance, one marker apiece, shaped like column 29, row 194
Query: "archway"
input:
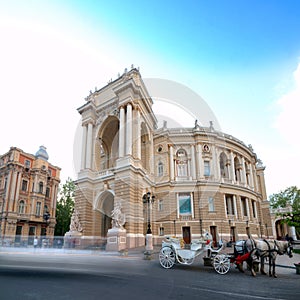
column 106, row 144
column 105, row 205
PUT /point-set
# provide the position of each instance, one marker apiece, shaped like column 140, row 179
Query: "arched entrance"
column 105, row 205
column 281, row 229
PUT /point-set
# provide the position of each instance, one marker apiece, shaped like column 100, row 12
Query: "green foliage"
column 64, row 207
column 287, row 203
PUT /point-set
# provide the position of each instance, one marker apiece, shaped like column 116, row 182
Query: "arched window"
column 237, row 168
column 21, row 208
column 160, row 169
column 223, row 166
column 247, row 173
column 181, row 163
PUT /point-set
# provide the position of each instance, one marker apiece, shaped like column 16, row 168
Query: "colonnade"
column 129, row 136
column 196, row 166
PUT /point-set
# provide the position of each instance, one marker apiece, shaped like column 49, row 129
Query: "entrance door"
column 186, row 234
column 213, row 232
column 18, row 234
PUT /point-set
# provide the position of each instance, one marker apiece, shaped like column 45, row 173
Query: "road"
column 81, row 276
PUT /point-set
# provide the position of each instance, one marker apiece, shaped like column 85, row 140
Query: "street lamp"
column 148, row 200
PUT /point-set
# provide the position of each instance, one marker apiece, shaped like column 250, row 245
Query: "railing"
column 53, row 242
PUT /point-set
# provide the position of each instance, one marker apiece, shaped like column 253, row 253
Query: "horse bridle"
column 288, row 250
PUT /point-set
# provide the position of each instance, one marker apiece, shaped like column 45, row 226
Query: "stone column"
column 234, row 206
column 193, row 164
column 83, row 147
column 248, row 207
column 215, row 161
column 18, row 189
column 122, row 132
column 198, row 157
column 151, row 158
column 171, row 163
column 89, row 146
column 12, row 190
column 129, row 130
column 292, row 232
column 232, row 173
column 244, row 180
column 35, row 188
column 138, row 135
column 251, row 182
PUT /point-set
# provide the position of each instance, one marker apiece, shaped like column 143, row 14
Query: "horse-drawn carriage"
column 173, row 251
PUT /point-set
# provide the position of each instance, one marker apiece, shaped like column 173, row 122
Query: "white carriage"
column 173, row 251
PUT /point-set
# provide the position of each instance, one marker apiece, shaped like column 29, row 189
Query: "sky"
column 241, row 57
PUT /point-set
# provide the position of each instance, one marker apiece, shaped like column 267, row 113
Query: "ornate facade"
column 28, row 194
column 202, row 179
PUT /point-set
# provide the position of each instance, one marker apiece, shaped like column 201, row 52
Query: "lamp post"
column 267, row 230
column 174, row 221
column 46, row 218
column 230, row 241
column 148, row 200
column 247, row 229
column 201, row 230
column 260, row 229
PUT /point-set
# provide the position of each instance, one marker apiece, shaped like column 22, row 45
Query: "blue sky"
column 241, row 57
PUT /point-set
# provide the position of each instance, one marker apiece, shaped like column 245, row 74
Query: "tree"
column 64, row 208
column 287, row 204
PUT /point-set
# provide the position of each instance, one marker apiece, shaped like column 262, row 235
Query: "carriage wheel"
column 167, row 257
column 221, row 263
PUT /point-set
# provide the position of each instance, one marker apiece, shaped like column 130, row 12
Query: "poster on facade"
column 185, row 207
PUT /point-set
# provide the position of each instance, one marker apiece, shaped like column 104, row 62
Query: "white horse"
column 267, row 249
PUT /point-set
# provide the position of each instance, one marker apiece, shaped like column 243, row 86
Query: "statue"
column 75, row 225
column 118, row 218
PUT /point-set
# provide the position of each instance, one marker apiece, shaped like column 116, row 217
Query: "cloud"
column 287, row 121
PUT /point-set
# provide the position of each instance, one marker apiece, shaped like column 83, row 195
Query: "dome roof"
column 42, row 153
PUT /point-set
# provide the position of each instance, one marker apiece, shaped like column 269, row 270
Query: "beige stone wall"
column 136, row 173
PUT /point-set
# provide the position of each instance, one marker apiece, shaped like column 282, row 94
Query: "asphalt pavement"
column 284, row 264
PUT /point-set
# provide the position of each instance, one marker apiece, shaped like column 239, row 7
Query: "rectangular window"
column 160, row 205
column 160, row 169
column 244, row 206
column 27, row 164
column 254, row 209
column 38, row 209
column 24, row 185
column 161, row 231
column 206, row 168
column 41, row 187
column 211, row 204
column 185, row 204
column 229, row 205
